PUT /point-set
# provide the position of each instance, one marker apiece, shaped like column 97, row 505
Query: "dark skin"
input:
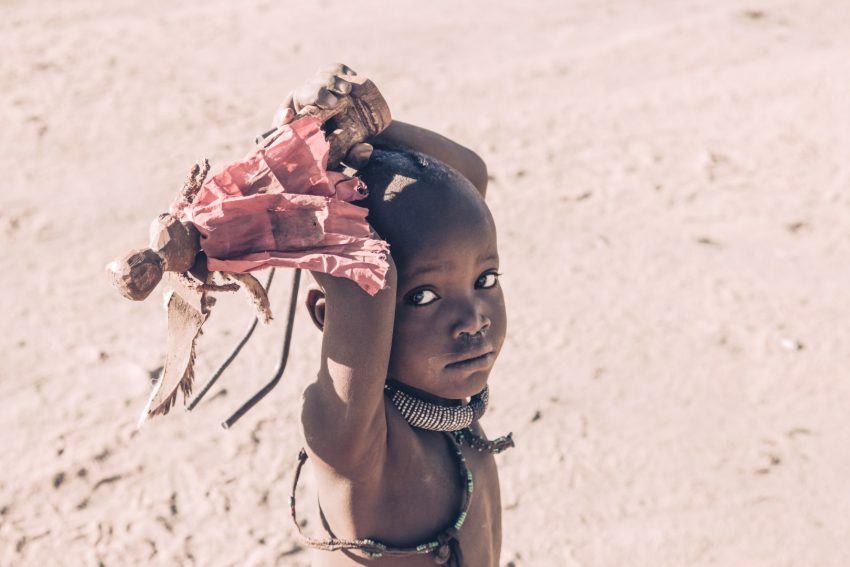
column 438, row 328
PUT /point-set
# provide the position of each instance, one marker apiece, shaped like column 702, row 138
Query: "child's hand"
column 324, row 90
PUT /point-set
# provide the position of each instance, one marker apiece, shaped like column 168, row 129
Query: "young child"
column 396, row 444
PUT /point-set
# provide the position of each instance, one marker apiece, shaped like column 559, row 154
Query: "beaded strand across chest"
column 455, row 422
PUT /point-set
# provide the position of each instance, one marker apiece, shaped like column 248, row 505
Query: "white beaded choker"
column 435, row 417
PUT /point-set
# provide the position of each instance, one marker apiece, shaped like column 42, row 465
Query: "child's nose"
column 471, row 323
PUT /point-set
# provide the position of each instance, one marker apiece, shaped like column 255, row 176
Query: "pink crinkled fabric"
column 281, row 207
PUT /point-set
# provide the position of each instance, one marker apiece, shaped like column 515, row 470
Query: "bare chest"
column 418, row 496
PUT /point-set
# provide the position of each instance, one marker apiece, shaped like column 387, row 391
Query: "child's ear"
column 316, row 306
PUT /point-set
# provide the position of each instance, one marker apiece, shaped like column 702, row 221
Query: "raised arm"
column 407, row 136
column 343, row 414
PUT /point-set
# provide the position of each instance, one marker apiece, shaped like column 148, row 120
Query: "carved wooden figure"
column 174, row 253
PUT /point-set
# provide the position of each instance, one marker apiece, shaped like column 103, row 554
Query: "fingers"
column 304, row 96
column 329, row 84
column 317, row 93
column 338, row 69
column 284, row 115
column 338, row 78
column 338, row 85
column 326, row 99
column 324, row 90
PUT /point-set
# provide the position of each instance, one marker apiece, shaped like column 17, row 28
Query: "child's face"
column 450, row 317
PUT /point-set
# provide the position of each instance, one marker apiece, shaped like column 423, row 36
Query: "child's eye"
column 487, row 280
column 422, row 297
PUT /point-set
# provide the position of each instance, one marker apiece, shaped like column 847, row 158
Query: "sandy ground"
column 670, row 181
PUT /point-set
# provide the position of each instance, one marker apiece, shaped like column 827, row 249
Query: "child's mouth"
column 477, row 362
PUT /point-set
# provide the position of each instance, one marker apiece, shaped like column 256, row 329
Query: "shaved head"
column 414, row 198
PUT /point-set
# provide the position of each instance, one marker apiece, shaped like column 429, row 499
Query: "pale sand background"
column 670, row 180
